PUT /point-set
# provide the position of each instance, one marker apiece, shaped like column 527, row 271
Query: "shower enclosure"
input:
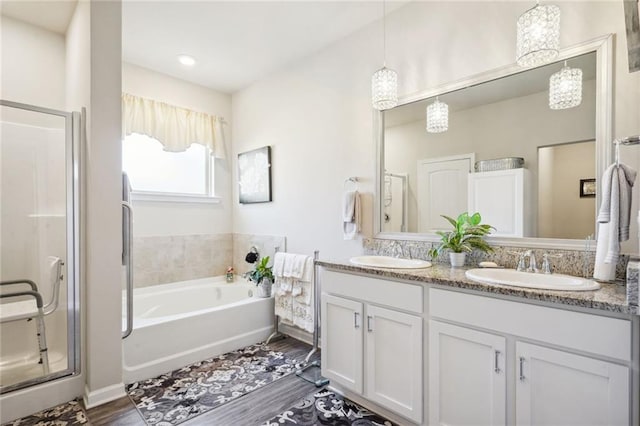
column 39, row 250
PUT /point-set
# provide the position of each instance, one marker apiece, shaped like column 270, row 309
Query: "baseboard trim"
column 102, row 396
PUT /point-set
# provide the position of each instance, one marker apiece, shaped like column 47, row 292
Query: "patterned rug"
column 327, row 408
column 70, row 413
column 195, row 389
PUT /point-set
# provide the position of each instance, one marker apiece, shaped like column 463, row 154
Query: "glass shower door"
column 39, row 328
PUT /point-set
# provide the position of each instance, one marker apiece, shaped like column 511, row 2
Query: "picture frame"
column 632, row 25
column 587, row 188
column 254, row 176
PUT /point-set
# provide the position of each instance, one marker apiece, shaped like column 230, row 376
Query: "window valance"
column 174, row 127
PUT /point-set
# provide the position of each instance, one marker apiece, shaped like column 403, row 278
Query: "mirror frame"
column 603, row 46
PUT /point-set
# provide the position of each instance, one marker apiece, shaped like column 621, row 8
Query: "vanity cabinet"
column 472, row 372
column 555, row 387
column 369, row 345
column 467, row 378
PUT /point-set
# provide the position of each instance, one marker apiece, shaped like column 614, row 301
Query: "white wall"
column 317, row 113
column 33, row 64
column 170, row 218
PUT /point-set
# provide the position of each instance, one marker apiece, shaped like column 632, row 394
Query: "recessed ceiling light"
column 187, row 60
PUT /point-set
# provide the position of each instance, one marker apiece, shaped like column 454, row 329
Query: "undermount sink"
column 531, row 280
column 389, row 262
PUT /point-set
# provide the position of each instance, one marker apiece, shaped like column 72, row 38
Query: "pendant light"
column 384, row 83
column 538, row 38
column 437, row 117
column 565, row 88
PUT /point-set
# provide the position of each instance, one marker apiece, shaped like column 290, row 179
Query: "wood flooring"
column 251, row 409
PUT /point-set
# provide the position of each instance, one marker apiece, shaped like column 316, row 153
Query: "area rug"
column 70, row 413
column 197, row 388
column 327, row 408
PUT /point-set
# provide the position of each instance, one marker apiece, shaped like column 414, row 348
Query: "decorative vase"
column 457, row 259
column 264, row 288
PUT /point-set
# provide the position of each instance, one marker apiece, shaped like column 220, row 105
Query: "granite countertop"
column 610, row 297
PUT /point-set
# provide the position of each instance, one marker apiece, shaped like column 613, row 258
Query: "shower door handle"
column 129, row 266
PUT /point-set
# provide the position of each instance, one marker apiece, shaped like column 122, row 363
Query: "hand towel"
column 350, row 215
column 603, row 271
column 615, row 210
column 278, row 264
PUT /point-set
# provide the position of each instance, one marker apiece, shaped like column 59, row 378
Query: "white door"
column 342, row 341
column 442, row 190
column 394, row 361
column 559, row 388
column 467, row 381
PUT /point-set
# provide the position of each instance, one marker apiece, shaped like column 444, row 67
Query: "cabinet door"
column 394, row 361
column 559, row 388
column 467, row 384
column 342, row 341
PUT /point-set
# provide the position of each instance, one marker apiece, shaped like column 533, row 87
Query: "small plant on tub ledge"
column 467, row 234
column 262, row 276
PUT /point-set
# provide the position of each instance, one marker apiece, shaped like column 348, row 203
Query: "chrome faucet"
column 522, row 262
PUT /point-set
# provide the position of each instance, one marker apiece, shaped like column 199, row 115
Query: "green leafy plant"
column 467, row 234
column 261, row 272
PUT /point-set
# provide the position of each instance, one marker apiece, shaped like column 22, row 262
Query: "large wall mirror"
column 504, row 113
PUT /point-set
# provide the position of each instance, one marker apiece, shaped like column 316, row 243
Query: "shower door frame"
column 74, row 122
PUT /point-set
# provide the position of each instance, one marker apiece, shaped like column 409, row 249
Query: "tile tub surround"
column 610, row 297
column 571, row 262
column 161, row 260
column 266, row 245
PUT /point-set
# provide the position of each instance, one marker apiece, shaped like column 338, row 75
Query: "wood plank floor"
column 249, row 410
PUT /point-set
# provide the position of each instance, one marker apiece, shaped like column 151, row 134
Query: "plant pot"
column 264, row 288
column 457, row 259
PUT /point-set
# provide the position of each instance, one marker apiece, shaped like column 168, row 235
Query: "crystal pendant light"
column 384, row 83
column 538, row 38
column 437, row 117
column 565, row 88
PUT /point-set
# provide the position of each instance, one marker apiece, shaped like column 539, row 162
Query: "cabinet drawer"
column 585, row 332
column 397, row 295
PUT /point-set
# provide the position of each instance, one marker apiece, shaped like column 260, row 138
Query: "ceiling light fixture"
column 538, row 38
column 437, row 117
column 187, row 60
column 565, row 88
column 384, row 82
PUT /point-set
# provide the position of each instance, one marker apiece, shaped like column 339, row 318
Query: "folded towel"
column 307, row 275
column 350, row 215
column 615, row 210
column 278, row 264
column 297, row 266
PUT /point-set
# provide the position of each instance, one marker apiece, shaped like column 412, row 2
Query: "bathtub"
column 183, row 322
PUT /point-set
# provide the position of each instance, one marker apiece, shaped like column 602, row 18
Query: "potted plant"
column 262, row 276
column 467, row 234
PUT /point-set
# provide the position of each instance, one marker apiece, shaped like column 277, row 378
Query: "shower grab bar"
column 129, row 265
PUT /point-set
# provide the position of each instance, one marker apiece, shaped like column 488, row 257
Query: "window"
column 154, row 171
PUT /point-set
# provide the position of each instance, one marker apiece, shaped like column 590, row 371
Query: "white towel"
column 350, row 215
column 603, row 271
column 278, row 264
column 294, row 294
column 615, row 210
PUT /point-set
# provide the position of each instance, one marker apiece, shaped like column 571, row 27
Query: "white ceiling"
column 52, row 15
column 236, row 43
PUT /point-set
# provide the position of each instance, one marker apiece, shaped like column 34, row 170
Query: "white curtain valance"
column 174, row 127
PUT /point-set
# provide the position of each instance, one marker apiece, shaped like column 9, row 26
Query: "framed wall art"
column 254, row 176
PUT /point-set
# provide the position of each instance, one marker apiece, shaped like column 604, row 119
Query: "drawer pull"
column 522, row 369
column 496, row 365
column 356, row 323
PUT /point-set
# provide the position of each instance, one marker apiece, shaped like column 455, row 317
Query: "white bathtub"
column 183, row 322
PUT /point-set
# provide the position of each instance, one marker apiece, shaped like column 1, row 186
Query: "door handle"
column 369, row 326
column 522, row 369
column 355, row 320
column 496, row 365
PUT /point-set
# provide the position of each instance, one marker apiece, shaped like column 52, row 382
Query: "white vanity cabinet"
column 472, row 372
column 372, row 340
column 467, row 377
